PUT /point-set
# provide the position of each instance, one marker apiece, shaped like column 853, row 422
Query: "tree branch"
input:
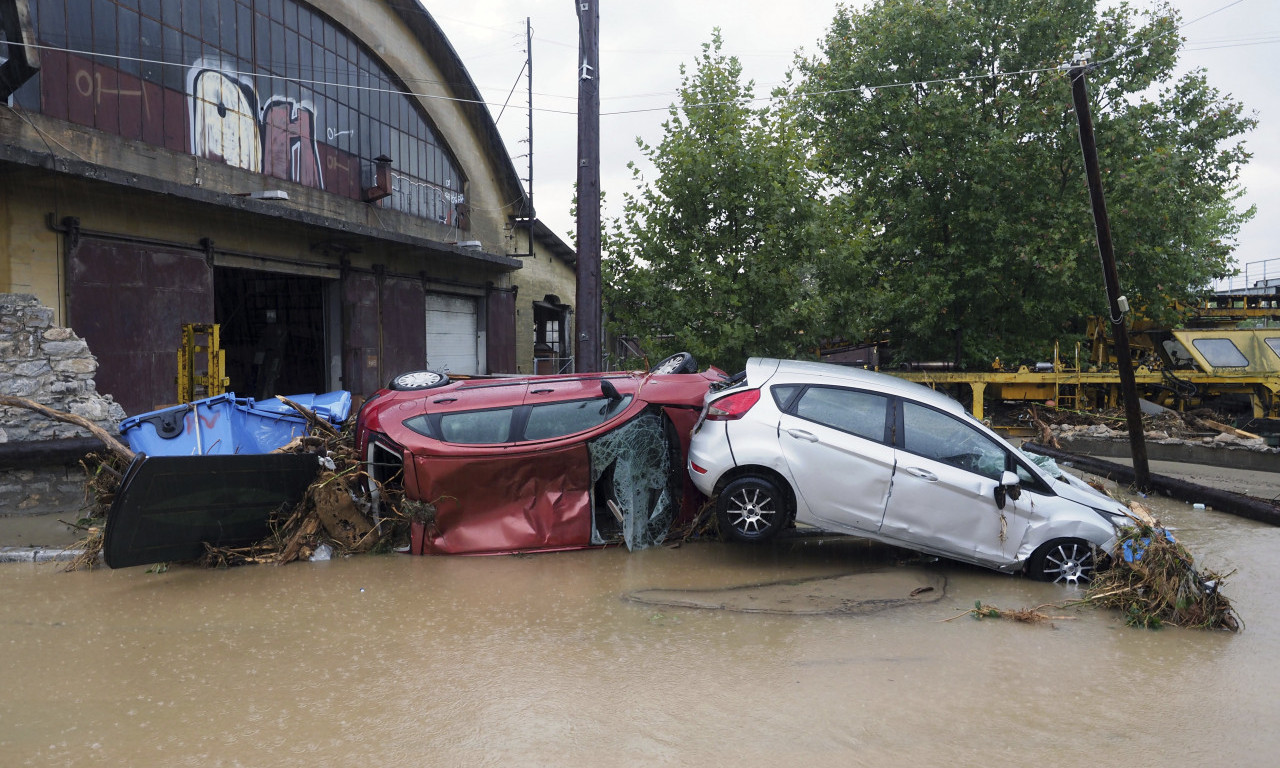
column 113, row 445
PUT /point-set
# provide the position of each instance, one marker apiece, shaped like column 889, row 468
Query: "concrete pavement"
column 38, row 538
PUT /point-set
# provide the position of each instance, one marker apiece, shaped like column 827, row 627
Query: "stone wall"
column 54, row 367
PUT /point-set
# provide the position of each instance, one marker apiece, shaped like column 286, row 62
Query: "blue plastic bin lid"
column 334, row 406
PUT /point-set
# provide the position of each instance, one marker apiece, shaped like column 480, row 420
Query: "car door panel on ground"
column 834, row 441
column 943, row 495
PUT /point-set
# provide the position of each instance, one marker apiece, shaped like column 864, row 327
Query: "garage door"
column 452, row 334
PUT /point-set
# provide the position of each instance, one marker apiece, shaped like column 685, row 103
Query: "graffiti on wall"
column 275, row 136
column 428, row 200
column 89, row 84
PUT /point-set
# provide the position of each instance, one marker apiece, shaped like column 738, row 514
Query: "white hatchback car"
column 852, row 451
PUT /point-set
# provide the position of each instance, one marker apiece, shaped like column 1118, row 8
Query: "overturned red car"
column 536, row 463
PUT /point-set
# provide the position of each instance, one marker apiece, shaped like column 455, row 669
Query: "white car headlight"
column 1118, row 518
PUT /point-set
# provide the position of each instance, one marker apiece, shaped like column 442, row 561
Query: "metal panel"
column 404, row 344
column 501, row 349
column 129, row 301
column 168, row 507
column 360, row 356
column 452, row 334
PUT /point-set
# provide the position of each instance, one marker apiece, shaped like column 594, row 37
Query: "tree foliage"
column 946, row 127
column 923, row 182
column 717, row 255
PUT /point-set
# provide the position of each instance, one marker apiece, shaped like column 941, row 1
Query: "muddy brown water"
column 542, row 660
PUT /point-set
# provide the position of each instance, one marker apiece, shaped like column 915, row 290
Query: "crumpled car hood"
column 1071, row 487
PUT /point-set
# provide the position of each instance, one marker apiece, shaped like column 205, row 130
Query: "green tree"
column 946, row 128
column 719, row 254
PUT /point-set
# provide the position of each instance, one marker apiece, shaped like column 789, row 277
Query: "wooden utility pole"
column 587, row 347
column 1117, row 303
column 531, row 214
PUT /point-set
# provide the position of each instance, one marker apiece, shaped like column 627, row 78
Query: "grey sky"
column 642, row 46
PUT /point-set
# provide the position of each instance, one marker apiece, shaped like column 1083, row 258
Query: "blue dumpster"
column 227, row 425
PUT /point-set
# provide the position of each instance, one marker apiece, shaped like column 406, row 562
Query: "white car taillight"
column 734, row 406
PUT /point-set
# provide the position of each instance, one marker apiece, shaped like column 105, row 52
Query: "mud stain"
column 856, row 593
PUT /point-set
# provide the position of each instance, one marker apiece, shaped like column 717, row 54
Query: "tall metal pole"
column 587, row 348
column 1118, row 305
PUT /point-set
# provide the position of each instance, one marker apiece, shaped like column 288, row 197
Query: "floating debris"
column 1024, row 615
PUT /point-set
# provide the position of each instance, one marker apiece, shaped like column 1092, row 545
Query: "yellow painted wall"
column 29, row 250
column 543, row 274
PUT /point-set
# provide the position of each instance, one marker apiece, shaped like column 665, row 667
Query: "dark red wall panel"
column 404, row 326
column 500, row 340
column 129, row 301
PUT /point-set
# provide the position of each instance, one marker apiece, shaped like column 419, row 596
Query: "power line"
column 318, row 83
column 301, row 80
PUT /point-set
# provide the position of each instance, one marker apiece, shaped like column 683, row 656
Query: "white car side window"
column 938, row 436
column 848, row 410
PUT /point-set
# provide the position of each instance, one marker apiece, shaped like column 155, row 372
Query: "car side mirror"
column 1009, row 488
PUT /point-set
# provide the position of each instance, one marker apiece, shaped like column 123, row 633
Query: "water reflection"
column 537, row 660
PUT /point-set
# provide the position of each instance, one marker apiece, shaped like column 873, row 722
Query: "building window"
column 550, row 336
column 274, row 87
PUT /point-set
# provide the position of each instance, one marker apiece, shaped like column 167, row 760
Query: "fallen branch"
column 113, row 445
column 313, row 421
column 1025, row 615
column 1046, row 434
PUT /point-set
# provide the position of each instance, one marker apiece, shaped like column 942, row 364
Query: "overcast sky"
column 643, row 44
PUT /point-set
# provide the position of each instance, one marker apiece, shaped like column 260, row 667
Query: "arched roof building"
column 321, row 179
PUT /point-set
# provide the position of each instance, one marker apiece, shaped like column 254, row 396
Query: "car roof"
column 764, row 369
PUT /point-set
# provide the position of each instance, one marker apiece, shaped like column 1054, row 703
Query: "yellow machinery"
column 1180, row 369
column 202, row 363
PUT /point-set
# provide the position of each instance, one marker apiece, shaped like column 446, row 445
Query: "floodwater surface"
column 545, row 660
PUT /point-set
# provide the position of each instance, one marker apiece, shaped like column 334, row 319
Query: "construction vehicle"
column 1211, row 362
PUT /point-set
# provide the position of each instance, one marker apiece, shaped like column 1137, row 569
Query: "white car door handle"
column 923, row 474
column 800, row 434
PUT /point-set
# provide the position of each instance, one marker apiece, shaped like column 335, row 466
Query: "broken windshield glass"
column 635, row 480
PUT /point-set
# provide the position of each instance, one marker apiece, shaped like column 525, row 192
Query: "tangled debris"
column 1202, row 426
column 1162, row 587
column 1151, row 578
column 103, row 473
column 335, row 512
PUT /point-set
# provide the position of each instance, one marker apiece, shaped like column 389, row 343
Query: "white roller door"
column 452, row 334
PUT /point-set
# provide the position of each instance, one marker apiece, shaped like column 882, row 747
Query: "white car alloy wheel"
column 750, row 509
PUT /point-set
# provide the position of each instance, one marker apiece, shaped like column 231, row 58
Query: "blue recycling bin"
column 226, row 425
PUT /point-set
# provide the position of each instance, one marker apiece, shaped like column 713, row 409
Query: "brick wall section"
column 54, row 367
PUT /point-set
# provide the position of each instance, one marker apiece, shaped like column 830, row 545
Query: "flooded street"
column 541, row 660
